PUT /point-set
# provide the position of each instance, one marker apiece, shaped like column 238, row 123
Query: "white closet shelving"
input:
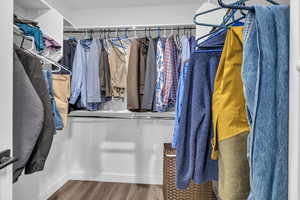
column 49, row 19
column 294, row 102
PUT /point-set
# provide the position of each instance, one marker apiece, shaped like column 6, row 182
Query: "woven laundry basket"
column 193, row 192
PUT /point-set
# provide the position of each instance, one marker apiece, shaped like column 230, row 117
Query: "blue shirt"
column 79, row 79
column 185, row 56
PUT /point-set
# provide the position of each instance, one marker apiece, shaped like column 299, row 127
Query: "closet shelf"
column 122, row 115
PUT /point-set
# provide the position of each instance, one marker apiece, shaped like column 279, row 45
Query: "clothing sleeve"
column 77, row 75
column 93, row 79
column 184, row 166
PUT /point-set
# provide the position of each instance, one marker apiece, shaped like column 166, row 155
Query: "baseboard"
column 117, row 178
column 45, row 194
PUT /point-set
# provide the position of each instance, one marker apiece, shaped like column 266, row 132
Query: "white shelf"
column 122, row 114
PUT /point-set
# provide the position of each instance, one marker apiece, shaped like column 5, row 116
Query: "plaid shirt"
column 168, row 67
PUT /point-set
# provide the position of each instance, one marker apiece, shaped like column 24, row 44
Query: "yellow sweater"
column 228, row 102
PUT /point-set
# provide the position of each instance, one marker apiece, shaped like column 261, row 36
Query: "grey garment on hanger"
column 151, row 75
column 28, row 117
column 33, row 68
column 105, row 78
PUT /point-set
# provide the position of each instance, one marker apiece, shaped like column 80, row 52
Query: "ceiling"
column 30, row 4
column 98, row 4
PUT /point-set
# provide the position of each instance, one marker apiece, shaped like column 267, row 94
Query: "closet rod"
column 129, row 30
column 133, row 117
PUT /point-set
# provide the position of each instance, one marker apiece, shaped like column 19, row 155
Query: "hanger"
column 149, row 33
column 222, row 25
column 239, row 7
column 229, row 15
column 158, row 32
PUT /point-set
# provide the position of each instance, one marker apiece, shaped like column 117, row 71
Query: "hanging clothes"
column 33, row 68
column 28, row 117
column 105, row 76
column 49, row 83
column 169, row 71
column 230, row 121
column 93, row 78
column 160, row 79
column 118, row 68
column 265, row 75
column 69, row 48
column 150, row 77
column 136, row 74
column 193, row 148
column 61, row 92
column 80, row 76
column 185, row 56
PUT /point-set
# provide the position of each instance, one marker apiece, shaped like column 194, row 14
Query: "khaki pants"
column 234, row 181
column 61, row 89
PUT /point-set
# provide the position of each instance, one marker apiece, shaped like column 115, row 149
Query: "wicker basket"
column 193, row 192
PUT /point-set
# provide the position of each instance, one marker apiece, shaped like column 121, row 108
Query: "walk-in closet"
column 150, row 100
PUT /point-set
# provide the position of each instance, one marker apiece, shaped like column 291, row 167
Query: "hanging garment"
column 118, row 69
column 234, row 168
column 105, row 77
column 136, row 74
column 34, row 32
column 150, row 77
column 168, row 68
column 28, row 117
column 265, row 74
column 171, row 64
column 33, row 68
column 229, row 114
column 81, row 75
column 61, row 92
column 93, row 79
column 69, row 49
column 193, row 150
column 185, row 56
column 230, row 120
column 160, row 79
column 176, row 71
column 49, row 83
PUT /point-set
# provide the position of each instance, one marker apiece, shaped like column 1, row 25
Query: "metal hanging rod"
column 111, row 30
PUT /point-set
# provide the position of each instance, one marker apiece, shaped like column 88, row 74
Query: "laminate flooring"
column 89, row 190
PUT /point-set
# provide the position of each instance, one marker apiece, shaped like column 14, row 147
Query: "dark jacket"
column 28, row 117
column 33, row 68
column 136, row 74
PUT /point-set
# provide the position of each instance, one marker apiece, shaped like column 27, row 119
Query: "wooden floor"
column 88, row 190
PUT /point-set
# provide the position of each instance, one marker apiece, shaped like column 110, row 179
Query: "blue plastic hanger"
column 241, row 7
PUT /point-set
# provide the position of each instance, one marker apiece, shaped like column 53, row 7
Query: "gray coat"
column 28, row 117
column 33, row 68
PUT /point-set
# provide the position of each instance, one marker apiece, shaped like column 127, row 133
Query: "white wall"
column 52, row 23
column 6, row 85
column 134, row 16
